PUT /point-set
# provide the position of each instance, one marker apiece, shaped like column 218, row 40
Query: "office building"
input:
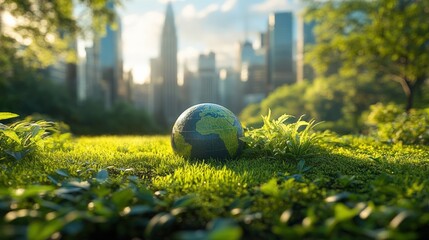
column 111, row 61
column 168, row 67
column 252, row 69
column 305, row 39
column 231, row 90
column 208, row 77
column 280, row 62
column 191, row 87
column 93, row 82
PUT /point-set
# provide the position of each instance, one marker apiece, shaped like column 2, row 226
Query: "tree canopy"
column 387, row 37
column 38, row 31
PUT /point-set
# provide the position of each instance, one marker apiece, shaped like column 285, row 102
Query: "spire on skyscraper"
column 168, row 64
column 169, row 27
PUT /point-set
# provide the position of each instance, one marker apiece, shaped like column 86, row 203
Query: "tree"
column 44, row 29
column 387, row 37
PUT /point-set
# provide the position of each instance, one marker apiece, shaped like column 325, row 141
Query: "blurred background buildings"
column 260, row 68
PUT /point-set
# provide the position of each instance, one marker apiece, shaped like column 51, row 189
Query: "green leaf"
column 102, row 176
column 12, row 135
column 221, row 229
column 122, row 198
column 343, row 213
column 18, row 155
column 159, row 225
column 62, row 172
column 44, row 230
column 192, row 235
column 230, row 233
column 7, row 115
column 184, row 201
column 140, row 210
column 31, row 191
column 270, row 188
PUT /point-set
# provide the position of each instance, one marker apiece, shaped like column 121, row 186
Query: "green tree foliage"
column 338, row 100
column 90, row 118
column 286, row 99
column 389, row 124
column 44, row 29
column 387, row 37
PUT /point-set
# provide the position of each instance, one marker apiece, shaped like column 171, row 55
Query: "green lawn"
column 136, row 187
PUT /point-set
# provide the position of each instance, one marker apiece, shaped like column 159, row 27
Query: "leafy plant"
column 283, row 138
column 79, row 208
column 23, row 137
column 388, row 123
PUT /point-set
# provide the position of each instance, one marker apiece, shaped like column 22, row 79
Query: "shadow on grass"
column 340, row 165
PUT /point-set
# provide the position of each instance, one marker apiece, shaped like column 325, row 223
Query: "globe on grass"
column 207, row 131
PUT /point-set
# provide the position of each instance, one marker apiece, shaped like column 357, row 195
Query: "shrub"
column 389, row 123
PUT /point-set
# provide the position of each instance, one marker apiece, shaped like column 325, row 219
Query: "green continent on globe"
column 182, row 147
column 222, row 124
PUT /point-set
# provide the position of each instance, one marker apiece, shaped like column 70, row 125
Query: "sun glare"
column 141, row 74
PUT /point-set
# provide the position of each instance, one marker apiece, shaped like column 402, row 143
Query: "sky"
column 201, row 25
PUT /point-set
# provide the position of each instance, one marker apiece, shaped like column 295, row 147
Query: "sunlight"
column 141, row 74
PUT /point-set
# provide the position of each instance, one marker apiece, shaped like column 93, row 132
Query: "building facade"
column 104, row 66
column 306, row 38
column 280, row 51
column 168, row 65
column 208, row 77
column 191, row 88
column 253, row 72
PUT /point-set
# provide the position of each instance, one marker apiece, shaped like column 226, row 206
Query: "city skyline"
column 220, row 25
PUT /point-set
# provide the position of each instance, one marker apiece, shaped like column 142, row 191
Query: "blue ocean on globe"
column 207, row 130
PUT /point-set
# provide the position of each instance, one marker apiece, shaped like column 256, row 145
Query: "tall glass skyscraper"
column 208, row 77
column 305, row 38
column 111, row 61
column 280, row 60
column 168, row 65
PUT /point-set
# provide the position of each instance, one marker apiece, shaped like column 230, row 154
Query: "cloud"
column 141, row 38
column 208, row 10
column 277, row 5
column 189, row 11
column 228, row 5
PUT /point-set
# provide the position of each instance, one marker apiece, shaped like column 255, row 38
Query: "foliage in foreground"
column 26, row 137
column 287, row 206
column 136, row 188
column 282, row 138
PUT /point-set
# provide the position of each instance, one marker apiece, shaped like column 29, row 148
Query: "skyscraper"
column 111, row 61
column 305, row 38
column 168, row 63
column 191, row 87
column 280, row 50
column 208, row 77
column 93, row 84
column 104, row 67
column 252, row 72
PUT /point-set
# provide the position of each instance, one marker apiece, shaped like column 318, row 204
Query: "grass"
column 125, row 187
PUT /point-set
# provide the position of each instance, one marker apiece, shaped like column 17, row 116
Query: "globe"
column 205, row 131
